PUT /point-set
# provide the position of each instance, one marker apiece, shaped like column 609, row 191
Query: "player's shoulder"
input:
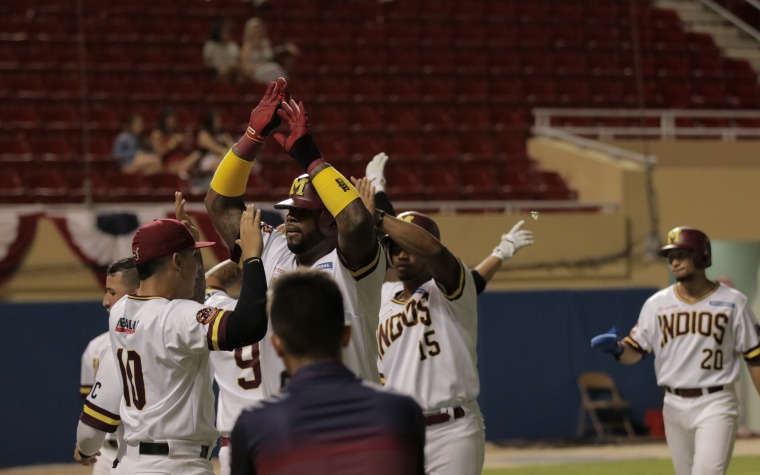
column 96, row 345
column 725, row 294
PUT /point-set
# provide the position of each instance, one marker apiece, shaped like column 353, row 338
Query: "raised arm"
column 356, row 234
column 442, row 264
column 510, row 243
column 224, row 200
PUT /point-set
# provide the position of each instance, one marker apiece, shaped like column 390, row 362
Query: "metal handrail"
column 738, row 22
column 611, row 150
column 667, row 127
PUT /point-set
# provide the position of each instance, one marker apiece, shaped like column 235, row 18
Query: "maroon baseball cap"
column 161, row 237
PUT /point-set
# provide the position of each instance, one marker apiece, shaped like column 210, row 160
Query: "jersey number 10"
column 132, row 378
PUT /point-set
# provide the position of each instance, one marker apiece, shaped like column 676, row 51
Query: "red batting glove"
column 263, row 121
column 299, row 143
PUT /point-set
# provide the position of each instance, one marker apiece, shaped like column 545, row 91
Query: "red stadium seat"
column 12, row 188
column 442, row 184
column 367, row 118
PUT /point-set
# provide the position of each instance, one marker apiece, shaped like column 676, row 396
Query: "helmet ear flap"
column 327, row 225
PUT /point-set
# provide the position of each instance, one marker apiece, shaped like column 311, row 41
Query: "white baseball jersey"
column 361, row 302
column 427, row 344
column 90, row 362
column 161, row 348
column 697, row 344
column 91, row 359
column 101, row 408
column 237, row 373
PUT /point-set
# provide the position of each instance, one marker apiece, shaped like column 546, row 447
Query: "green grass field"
column 739, row 466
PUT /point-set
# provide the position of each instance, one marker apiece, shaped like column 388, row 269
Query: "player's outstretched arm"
column 356, row 234
column 610, row 342
column 375, row 173
column 224, row 199
column 510, row 243
column 444, row 265
column 248, row 322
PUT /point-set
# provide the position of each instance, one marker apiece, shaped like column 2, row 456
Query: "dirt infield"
column 498, row 455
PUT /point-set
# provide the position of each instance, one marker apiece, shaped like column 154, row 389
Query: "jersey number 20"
column 132, row 378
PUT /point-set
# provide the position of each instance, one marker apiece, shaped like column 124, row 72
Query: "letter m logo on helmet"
column 692, row 239
column 299, row 185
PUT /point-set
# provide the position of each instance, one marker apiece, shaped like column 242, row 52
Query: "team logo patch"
column 717, row 303
column 125, row 325
column 324, row 265
column 206, row 315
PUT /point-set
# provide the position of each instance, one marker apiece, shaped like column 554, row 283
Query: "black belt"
column 112, row 443
column 441, row 417
column 162, row 448
column 693, row 392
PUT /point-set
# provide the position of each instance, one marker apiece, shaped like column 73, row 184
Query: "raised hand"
column 375, row 171
column 367, row 192
column 514, row 240
column 250, row 241
column 608, row 342
column 298, row 142
column 264, row 118
column 181, row 215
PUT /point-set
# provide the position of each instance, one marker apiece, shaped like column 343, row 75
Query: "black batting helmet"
column 684, row 237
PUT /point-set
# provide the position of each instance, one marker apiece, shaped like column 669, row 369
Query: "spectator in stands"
column 257, row 58
column 213, row 142
column 132, row 148
column 221, row 54
column 173, row 146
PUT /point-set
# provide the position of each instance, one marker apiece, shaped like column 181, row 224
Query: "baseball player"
column 327, row 421
column 698, row 331
column 426, row 340
column 121, row 279
column 327, row 228
column 237, row 373
column 509, row 244
column 160, row 343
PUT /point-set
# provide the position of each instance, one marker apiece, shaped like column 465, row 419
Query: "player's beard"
column 684, row 278
column 300, row 243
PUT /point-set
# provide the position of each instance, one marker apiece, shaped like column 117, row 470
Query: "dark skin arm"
column 357, row 242
column 439, row 260
column 226, row 211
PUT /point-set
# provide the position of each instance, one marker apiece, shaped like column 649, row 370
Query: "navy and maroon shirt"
column 327, row 421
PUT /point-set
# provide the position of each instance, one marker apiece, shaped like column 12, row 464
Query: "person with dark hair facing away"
column 326, row 421
column 161, row 340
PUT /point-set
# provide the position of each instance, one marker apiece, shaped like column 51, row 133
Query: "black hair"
column 148, row 269
column 216, row 30
column 307, row 314
column 129, row 274
column 163, row 118
column 208, row 121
